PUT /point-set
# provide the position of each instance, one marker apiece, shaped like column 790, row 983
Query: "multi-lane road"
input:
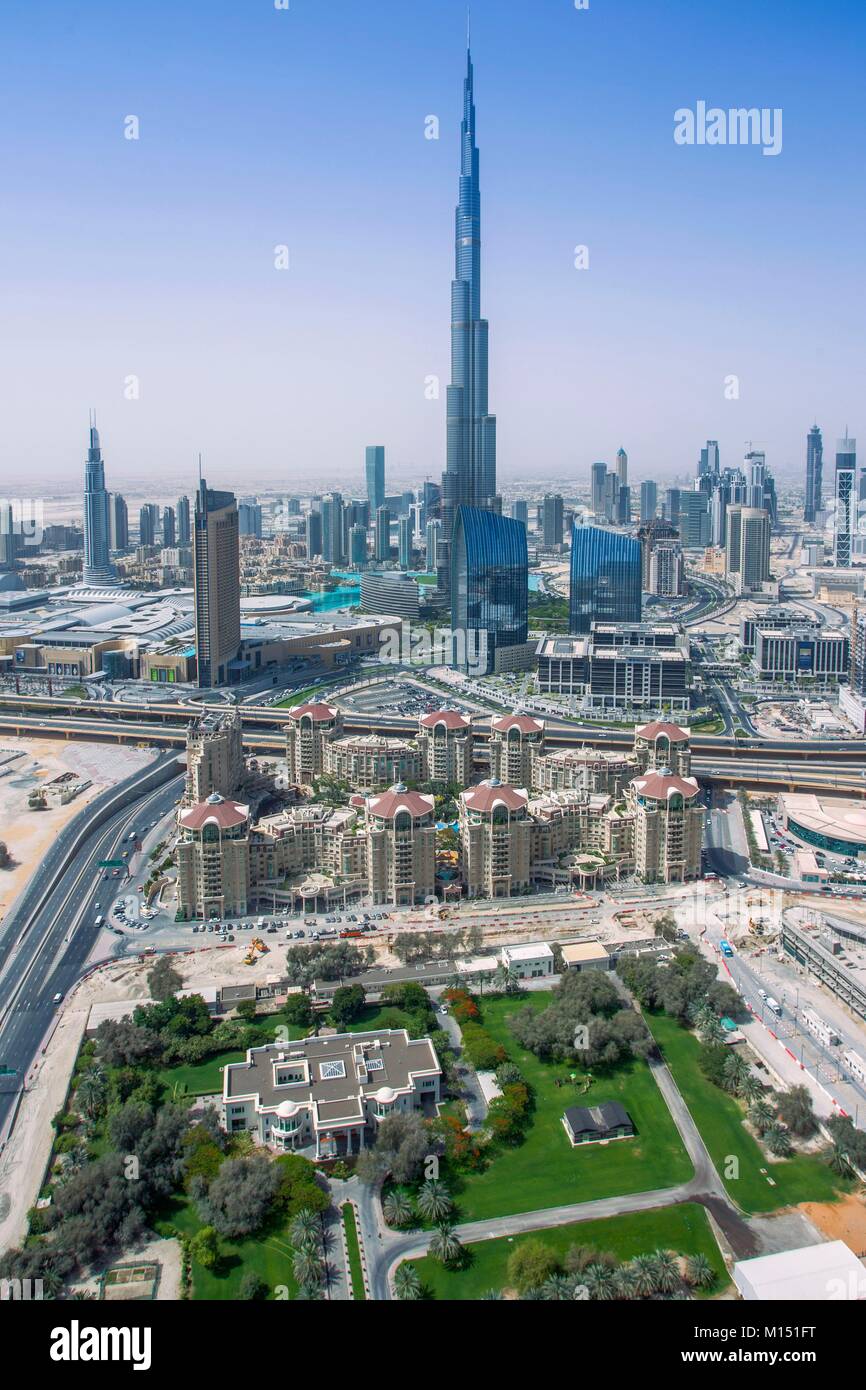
column 47, row 939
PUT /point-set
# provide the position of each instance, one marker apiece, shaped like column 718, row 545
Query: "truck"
column 99, row 919
column 775, row 1006
column 726, row 948
column 820, row 1028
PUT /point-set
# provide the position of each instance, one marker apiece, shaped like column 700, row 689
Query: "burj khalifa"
column 470, row 472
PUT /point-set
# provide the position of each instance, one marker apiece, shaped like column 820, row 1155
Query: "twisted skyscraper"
column 470, row 472
column 97, row 566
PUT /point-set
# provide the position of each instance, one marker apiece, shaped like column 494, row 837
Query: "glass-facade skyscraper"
column 846, row 501
column 97, row 566
column 375, row 463
column 489, row 587
column 605, row 578
column 814, row 474
column 470, row 472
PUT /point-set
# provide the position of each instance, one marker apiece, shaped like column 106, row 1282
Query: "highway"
column 46, row 941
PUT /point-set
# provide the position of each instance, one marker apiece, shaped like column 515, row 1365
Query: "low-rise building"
column 329, row 1094
column 596, row 1124
column 529, row 962
column 586, row 955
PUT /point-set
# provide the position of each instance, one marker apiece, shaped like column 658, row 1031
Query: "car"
column 57, row 998
column 210, row 928
column 230, row 936
column 443, row 1009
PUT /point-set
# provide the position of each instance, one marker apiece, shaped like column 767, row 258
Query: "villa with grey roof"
column 328, row 1094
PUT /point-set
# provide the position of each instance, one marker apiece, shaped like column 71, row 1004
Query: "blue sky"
column 154, row 258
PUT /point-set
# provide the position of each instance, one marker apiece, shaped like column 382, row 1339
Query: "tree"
column 434, row 1200
column 397, row 1208
column 667, row 1271
column 125, row 1044
column 445, row 1244
column 530, row 1263
column 778, row 1141
column 666, row 927
column 699, row 1272
column 246, row 1010
column 298, row 1188
column 90, row 1094
column 645, row 1273
column 347, row 1004
column 795, row 1111
column 298, row 1010
column 308, row 1267
column 5, row 856
column 240, row 1196
column 734, row 1072
column 407, row 1285
column 760, row 1116
column 557, row 1288
column 401, row 1149
column 163, row 981
column 204, row 1247
column 251, row 1286
column 600, row 1281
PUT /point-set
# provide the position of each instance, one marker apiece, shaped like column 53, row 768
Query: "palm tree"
column 445, row 1244
column 699, row 1272
column 761, row 1116
column 434, row 1200
column 52, row 1283
column 91, row 1092
column 407, row 1285
column 309, row 1293
column 667, row 1271
column 557, row 1288
column 491, row 1296
column 625, row 1283
column 643, row 1268
column 306, row 1226
column 307, row 1267
column 750, row 1089
column 839, row 1161
column 734, row 1072
column 397, row 1208
column 599, row 1280
column 778, row 1141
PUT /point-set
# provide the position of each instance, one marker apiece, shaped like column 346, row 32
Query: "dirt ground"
column 28, row 834
column 842, row 1220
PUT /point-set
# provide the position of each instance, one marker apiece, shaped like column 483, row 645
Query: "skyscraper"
column 118, row 522
column 845, row 498
column 470, row 471
column 598, row 489
column 184, row 534
column 358, row 545
column 169, row 529
column 382, row 538
column 605, row 578
column 148, row 519
column 333, row 552
column 216, row 565
column 313, row 534
column 694, row 519
column 649, row 494
column 553, row 514
column 622, row 467
column 433, row 534
column 97, row 567
column 814, row 475
column 375, row 463
column 747, row 548
column 489, row 588
column 404, row 542
column 520, row 511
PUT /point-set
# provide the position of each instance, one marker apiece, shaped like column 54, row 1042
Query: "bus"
column 775, row 1006
column 820, row 1028
column 726, row 948
column 855, row 1065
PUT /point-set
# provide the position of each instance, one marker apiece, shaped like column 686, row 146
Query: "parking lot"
column 396, row 697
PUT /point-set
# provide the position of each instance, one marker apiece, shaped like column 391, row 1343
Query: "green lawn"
column 682, row 1229
column 300, row 697
column 720, row 1120
column 268, row 1253
column 544, row 1170
column 204, row 1078
column 359, row 1293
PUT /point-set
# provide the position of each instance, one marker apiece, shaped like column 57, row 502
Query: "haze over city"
column 154, row 258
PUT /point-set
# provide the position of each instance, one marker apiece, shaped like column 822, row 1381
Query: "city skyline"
column 232, row 359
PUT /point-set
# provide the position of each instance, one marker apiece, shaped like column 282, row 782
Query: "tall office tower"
column 598, row 488
column 433, row 534
column 358, row 545
column 605, row 578
column 747, row 549
column 755, row 469
column 148, row 520
column 709, row 464
column 552, row 514
column 169, row 528
column 858, row 652
column 11, row 539
column 649, row 495
column 333, row 551
column 844, row 524
column 672, row 506
column 118, row 522
column 404, row 542
column 250, row 519
column 216, row 566
column 489, row 588
column 293, row 506
column 313, row 534
column 520, row 511
column 623, row 507
column 184, row 532
column 666, row 570
column 653, row 533
column 622, row 467
column 718, row 514
column 432, row 495
column 375, row 464
column 611, row 496
column 382, row 538
column 814, row 502
column 469, row 479
column 97, row 566
column 694, row 519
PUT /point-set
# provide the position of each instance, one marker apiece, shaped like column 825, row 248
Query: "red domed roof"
column 671, row 731
column 319, row 712
column 488, row 794
column 451, row 718
column 215, row 811
column 524, row 722
column 661, row 785
column 399, row 799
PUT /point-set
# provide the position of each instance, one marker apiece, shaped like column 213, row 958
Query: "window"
column 332, row 1071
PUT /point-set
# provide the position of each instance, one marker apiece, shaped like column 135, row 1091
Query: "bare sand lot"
column 27, row 834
